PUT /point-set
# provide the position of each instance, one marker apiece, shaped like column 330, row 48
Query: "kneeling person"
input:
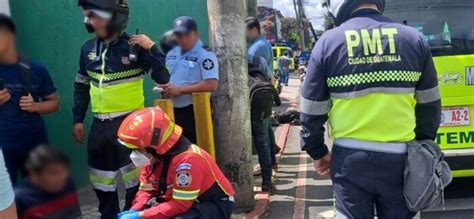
column 178, row 179
column 48, row 192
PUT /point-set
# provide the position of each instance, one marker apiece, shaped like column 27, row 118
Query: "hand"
column 28, row 104
column 171, row 91
column 78, row 133
column 322, row 165
column 4, row 96
column 143, row 41
column 132, row 214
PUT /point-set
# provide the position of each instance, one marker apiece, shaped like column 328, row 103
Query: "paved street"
column 301, row 194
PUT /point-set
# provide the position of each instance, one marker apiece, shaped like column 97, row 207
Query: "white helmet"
column 342, row 10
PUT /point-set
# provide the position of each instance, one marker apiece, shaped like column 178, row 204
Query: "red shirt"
column 190, row 175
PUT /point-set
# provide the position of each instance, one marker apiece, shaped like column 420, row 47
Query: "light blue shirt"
column 261, row 47
column 191, row 67
column 6, row 192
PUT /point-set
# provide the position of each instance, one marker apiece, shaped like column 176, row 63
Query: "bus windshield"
column 447, row 25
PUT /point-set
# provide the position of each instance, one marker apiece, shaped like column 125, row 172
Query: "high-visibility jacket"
column 110, row 80
column 376, row 82
column 193, row 176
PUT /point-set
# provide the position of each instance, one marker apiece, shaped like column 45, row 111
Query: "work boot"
column 266, row 185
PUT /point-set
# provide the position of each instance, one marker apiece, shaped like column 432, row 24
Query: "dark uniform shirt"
column 375, row 79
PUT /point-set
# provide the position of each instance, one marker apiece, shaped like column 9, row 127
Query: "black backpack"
column 261, row 92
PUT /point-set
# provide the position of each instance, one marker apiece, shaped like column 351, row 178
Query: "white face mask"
column 139, row 159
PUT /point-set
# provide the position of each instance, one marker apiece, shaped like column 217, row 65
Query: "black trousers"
column 184, row 117
column 221, row 209
column 107, row 158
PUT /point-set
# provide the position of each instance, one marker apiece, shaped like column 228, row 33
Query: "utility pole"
column 252, row 8
column 231, row 103
column 302, row 17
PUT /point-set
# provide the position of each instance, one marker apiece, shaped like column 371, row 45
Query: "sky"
column 313, row 10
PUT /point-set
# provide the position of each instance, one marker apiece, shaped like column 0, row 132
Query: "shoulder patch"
column 183, row 166
column 183, row 179
column 208, row 64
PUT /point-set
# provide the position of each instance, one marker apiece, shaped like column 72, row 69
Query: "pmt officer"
column 376, row 80
column 111, row 74
column 193, row 69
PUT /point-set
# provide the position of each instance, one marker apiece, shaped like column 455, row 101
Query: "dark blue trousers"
column 221, row 209
column 364, row 179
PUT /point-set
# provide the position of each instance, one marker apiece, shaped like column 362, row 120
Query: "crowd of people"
column 162, row 169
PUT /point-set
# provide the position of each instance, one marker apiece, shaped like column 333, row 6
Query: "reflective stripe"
column 130, row 175
column 81, row 79
column 373, row 77
column 312, row 107
column 387, row 90
column 103, row 173
column 340, row 215
column 386, row 147
column 146, row 186
column 427, row 96
column 185, row 195
column 110, row 83
column 115, row 75
column 167, row 133
column 105, row 188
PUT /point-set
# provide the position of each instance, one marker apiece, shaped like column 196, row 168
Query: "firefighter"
column 178, row 179
column 375, row 81
column 111, row 75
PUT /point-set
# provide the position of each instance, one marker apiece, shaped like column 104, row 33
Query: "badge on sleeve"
column 208, row 64
column 183, row 179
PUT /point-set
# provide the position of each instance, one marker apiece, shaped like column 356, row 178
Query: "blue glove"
column 132, row 214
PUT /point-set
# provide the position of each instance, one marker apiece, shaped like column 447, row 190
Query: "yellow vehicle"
column 278, row 51
column 448, row 27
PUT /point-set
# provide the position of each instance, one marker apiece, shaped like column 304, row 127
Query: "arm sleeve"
column 315, row 105
column 81, row 92
column 153, row 62
column 186, row 189
column 209, row 66
column 145, row 192
column 428, row 106
column 47, row 85
column 6, row 191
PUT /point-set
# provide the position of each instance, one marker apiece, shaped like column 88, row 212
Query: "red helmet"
column 149, row 127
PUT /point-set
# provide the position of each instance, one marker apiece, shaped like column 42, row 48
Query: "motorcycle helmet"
column 341, row 10
column 118, row 9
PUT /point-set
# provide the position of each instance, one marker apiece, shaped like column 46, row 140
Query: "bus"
column 448, row 28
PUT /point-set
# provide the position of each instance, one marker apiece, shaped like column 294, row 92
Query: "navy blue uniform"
column 376, row 80
column 20, row 131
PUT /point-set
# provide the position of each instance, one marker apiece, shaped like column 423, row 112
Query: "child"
column 48, row 191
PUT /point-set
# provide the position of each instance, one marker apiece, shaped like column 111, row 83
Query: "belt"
column 110, row 116
column 385, row 147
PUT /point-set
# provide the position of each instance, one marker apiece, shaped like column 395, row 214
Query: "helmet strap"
column 156, row 136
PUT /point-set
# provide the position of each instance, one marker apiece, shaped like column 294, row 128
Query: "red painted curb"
column 263, row 198
column 263, row 202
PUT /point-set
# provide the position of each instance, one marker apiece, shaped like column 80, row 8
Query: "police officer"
column 178, row 179
column 193, row 69
column 376, row 80
column 111, row 75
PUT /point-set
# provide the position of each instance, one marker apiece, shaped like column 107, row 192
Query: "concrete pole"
column 252, row 8
column 231, row 102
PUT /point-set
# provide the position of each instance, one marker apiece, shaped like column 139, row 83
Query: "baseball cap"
column 184, row 24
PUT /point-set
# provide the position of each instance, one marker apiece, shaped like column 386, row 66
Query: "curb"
column 263, row 198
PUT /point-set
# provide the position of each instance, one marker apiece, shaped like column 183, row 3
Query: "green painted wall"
column 52, row 32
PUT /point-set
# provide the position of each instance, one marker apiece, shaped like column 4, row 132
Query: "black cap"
column 7, row 23
column 184, row 24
